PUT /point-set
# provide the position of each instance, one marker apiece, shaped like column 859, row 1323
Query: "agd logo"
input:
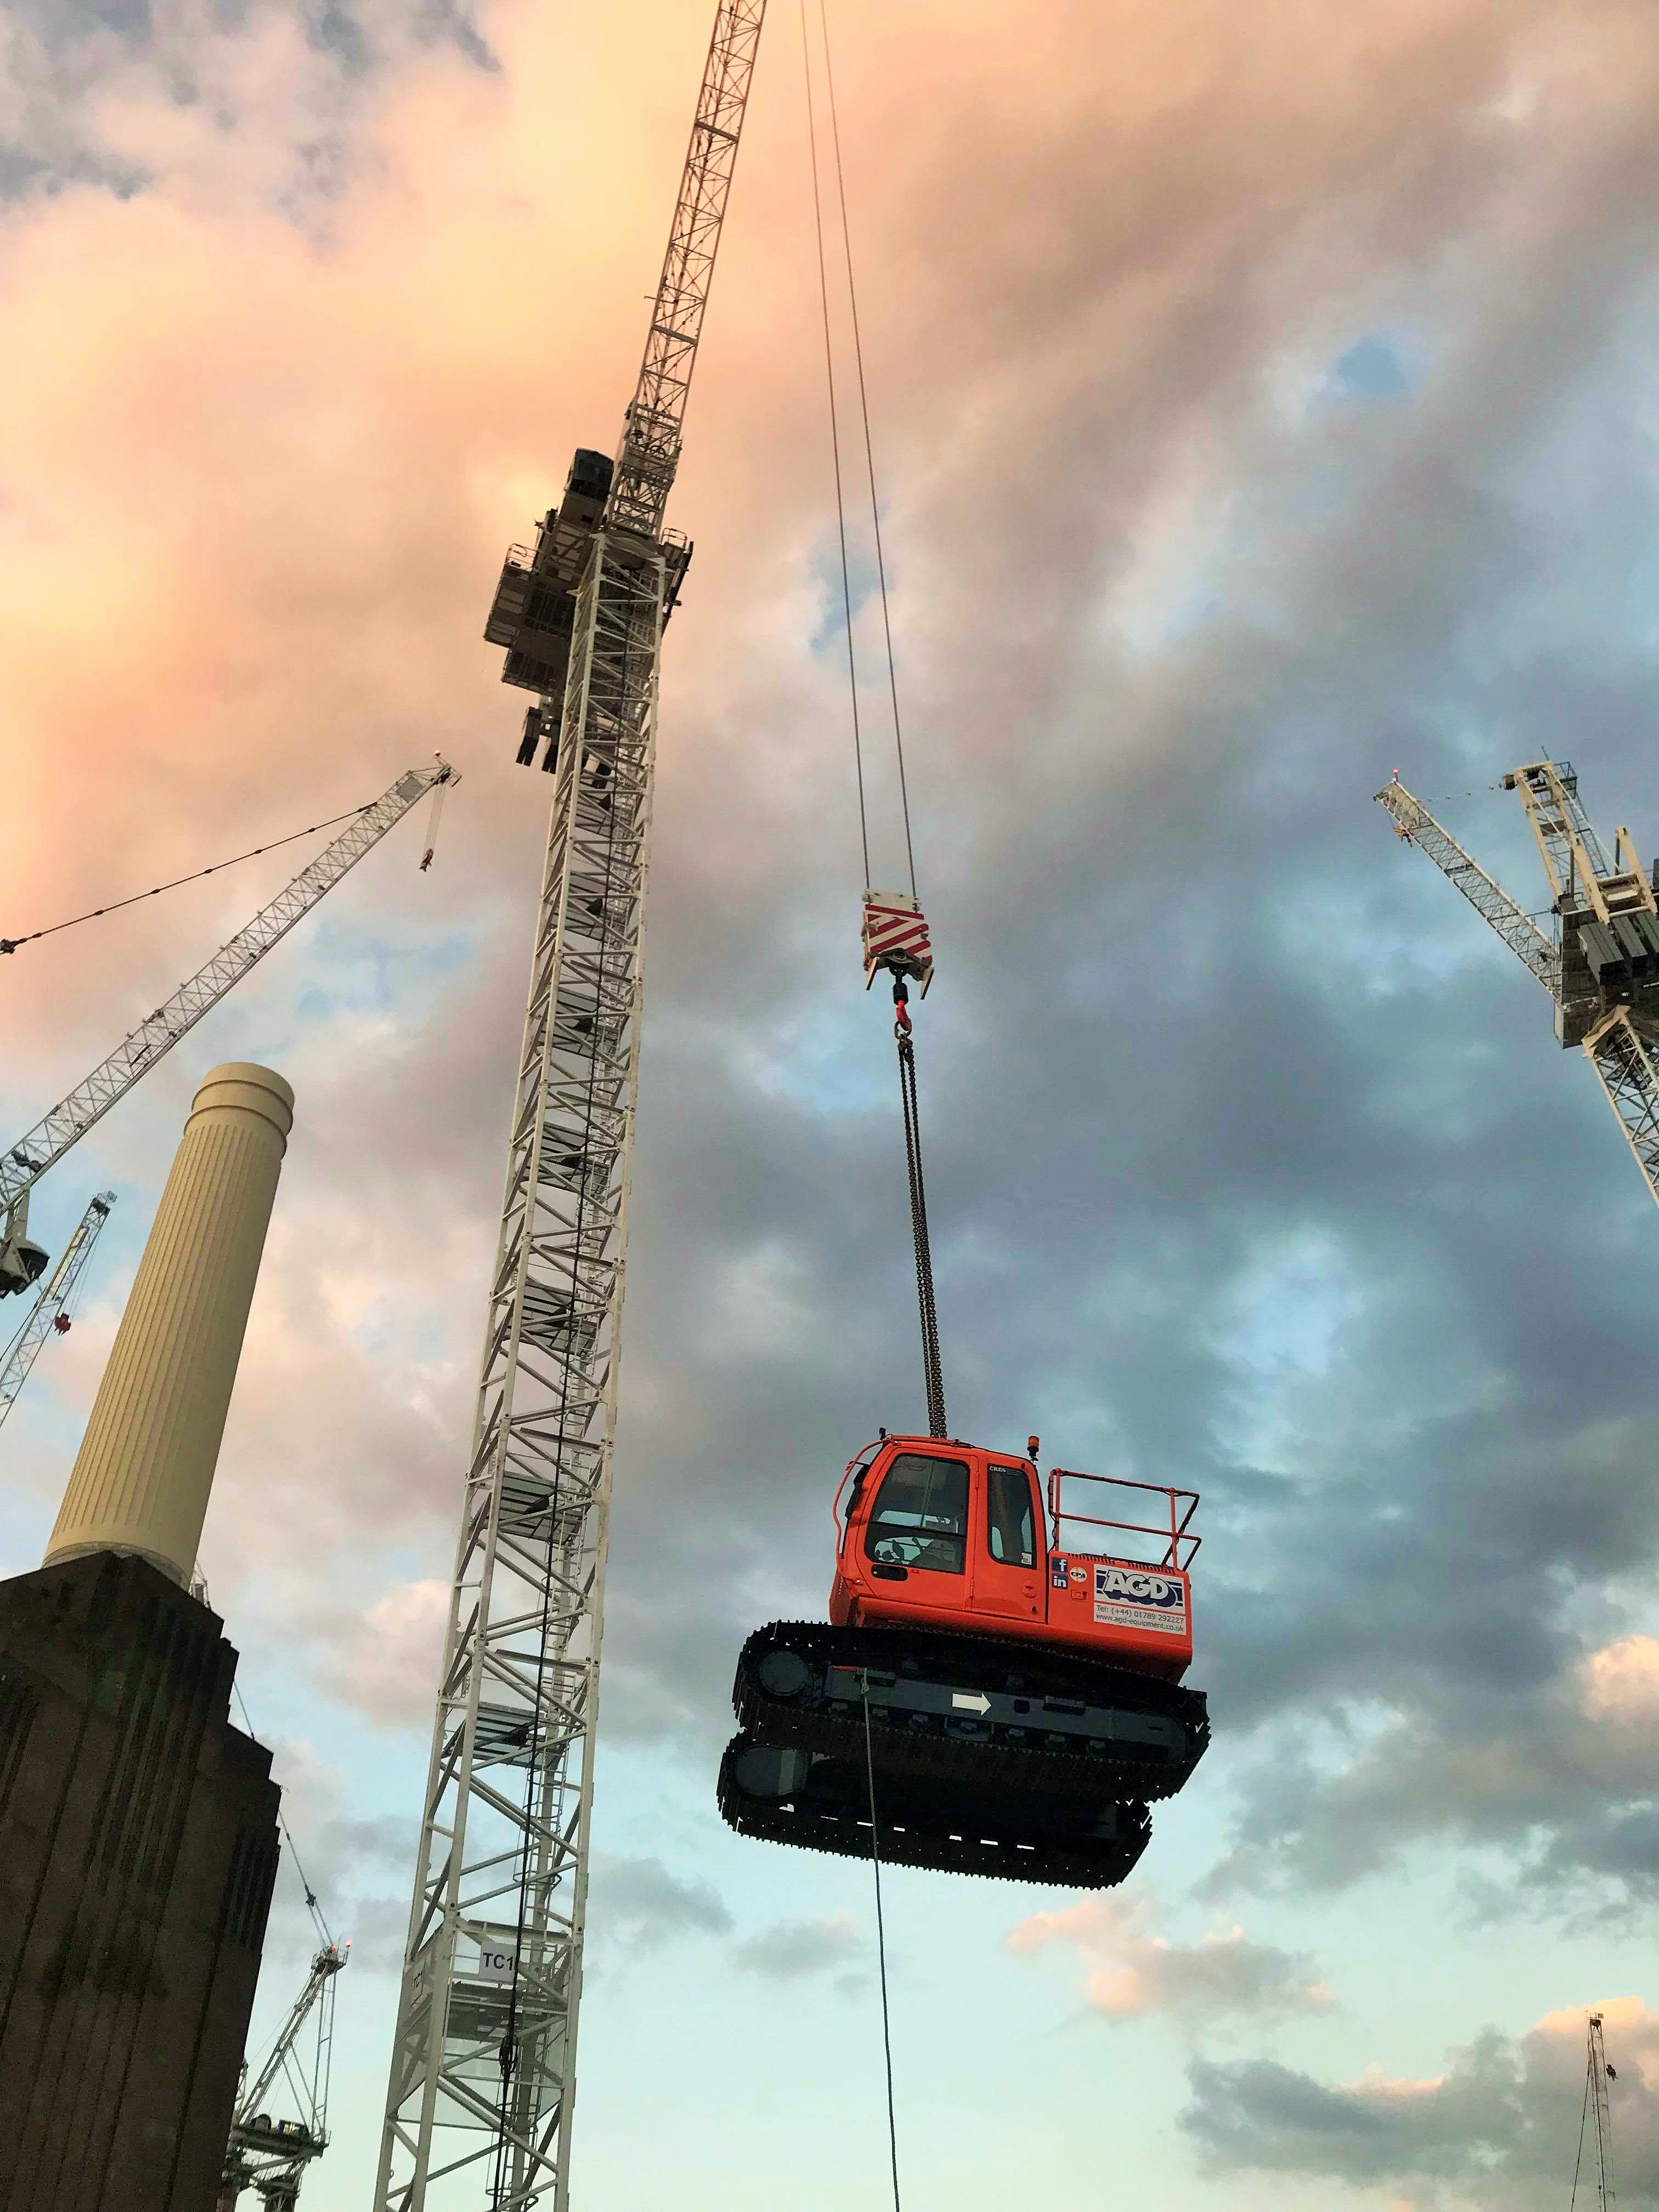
column 1136, row 1586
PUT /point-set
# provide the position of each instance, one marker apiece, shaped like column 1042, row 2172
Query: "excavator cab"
column 936, row 1531
column 998, row 1686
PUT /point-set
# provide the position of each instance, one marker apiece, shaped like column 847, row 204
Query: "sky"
column 1262, row 403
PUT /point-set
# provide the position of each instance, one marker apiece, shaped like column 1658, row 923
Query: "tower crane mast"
column 50, row 1312
column 1597, row 2074
column 23, row 1164
column 1600, row 963
column 482, row 2073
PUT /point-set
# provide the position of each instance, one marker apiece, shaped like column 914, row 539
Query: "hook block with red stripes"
column 895, row 939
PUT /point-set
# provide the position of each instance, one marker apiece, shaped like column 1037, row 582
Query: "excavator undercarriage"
column 989, row 1757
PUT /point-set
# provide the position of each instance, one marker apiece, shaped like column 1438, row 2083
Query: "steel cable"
column 835, row 445
column 881, row 1941
column 869, row 450
column 933, row 1372
column 11, row 944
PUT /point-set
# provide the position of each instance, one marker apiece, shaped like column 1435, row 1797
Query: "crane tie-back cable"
column 11, row 944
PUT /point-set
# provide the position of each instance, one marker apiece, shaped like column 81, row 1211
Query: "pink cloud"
column 1130, row 1971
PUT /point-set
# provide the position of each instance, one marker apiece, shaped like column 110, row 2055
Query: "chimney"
column 141, row 1477
column 138, row 1836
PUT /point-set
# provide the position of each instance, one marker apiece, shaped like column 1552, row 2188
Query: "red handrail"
column 1174, row 1536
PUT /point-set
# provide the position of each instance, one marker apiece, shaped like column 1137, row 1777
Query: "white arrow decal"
column 979, row 1703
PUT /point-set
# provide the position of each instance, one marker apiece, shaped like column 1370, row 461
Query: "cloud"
column 1130, row 1971
column 1232, row 1112
column 384, row 1661
column 355, row 1867
column 642, row 1905
column 1562, row 1770
column 1494, row 2129
column 793, row 1950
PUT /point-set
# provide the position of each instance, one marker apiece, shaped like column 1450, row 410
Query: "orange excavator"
column 989, row 1696
column 1010, row 1690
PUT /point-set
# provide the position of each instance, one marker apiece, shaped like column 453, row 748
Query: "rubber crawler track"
column 843, row 1830
column 978, row 1758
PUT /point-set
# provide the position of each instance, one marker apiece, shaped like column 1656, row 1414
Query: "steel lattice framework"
column 1600, row 967
column 482, row 2077
column 1494, row 906
column 24, row 1163
column 19, row 1354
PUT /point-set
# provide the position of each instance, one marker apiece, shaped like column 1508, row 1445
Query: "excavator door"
column 908, row 1532
column 1011, row 1556
column 941, row 1528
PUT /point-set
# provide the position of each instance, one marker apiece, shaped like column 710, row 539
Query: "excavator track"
column 780, row 1796
column 996, row 1717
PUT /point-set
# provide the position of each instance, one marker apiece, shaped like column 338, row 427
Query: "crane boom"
column 649, row 452
column 49, row 1308
column 270, row 2155
column 1493, row 905
column 22, row 1164
column 482, row 2074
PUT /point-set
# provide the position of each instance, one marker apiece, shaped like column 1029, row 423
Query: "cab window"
column 1011, row 1532
column 920, row 1518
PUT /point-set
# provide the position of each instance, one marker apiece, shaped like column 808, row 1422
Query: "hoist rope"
column 11, row 944
column 835, row 445
column 932, row 1371
column 869, row 451
column 881, row 1939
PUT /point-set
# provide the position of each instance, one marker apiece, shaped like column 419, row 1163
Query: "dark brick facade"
column 137, row 1851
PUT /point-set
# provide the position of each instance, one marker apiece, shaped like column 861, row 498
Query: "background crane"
column 1600, row 963
column 268, row 2155
column 50, row 1315
column 484, row 2060
column 23, row 1261
column 1597, row 2074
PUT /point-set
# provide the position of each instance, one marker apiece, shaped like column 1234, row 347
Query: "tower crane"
column 23, row 1261
column 1600, row 960
column 1597, row 2074
column 482, row 2072
column 267, row 2155
column 50, row 1315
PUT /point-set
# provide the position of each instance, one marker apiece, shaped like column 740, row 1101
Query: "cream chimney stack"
column 141, row 1477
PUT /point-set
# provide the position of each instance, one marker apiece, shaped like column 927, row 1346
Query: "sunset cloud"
column 1130, row 1971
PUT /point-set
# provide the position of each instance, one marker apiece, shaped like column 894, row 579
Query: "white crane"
column 268, row 2155
column 1600, row 962
column 23, row 1261
column 50, row 1315
column 1597, row 2074
column 484, row 2063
